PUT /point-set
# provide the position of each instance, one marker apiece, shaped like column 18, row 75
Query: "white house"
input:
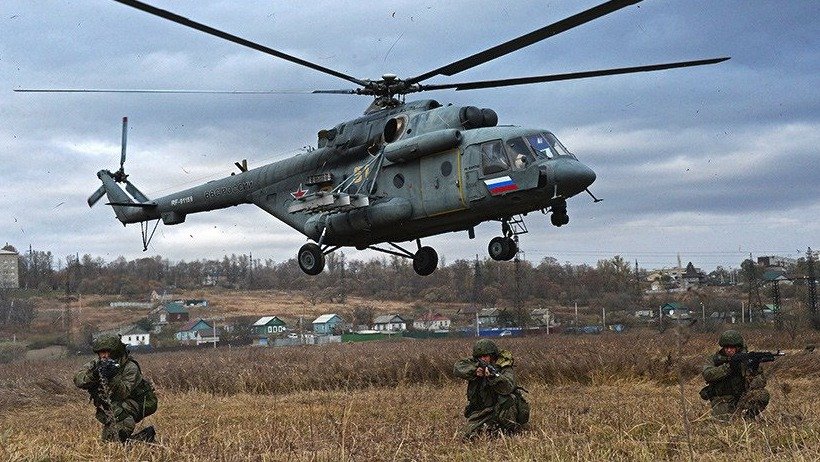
column 130, row 335
column 432, row 322
column 389, row 322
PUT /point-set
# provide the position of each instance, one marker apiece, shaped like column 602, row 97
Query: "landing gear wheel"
column 311, row 259
column 513, row 248
column 425, row 261
column 559, row 219
column 502, row 248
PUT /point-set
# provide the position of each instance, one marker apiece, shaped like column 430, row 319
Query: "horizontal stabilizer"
column 148, row 205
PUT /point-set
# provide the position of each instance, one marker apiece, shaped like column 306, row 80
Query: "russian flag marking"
column 501, row 185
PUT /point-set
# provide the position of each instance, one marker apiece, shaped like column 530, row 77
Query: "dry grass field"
column 608, row 397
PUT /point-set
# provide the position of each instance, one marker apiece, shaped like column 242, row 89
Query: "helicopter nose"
column 572, row 177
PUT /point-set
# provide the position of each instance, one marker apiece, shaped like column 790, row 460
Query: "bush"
column 47, row 340
column 11, row 351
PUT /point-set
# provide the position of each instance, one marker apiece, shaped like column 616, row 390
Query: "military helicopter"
column 403, row 171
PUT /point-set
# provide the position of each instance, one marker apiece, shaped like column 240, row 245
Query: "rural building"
column 389, row 322
column 326, row 324
column 173, row 312
column 543, row 317
column 9, row 272
column 189, row 331
column 130, row 335
column 193, row 303
column 693, row 277
column 488, row 317
column 432, row 322
column 208, row 336
column 674, row 310
column 268, row 325
column 776, row 261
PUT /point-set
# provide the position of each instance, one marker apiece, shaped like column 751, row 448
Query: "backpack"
column 145, row 395
column 513, row 410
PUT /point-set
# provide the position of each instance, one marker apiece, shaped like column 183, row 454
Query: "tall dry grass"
column 594, row 398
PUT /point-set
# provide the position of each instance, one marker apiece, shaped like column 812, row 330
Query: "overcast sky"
column 711, row 163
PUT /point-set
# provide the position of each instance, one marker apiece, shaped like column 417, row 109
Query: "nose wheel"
column 559, row 215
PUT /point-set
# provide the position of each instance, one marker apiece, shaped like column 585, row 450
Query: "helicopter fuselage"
column 417, row 170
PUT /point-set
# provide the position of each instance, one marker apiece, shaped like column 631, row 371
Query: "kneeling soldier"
column 120, row 394
column 732, row 386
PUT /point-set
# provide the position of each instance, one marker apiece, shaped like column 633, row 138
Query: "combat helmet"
column 112, row 343
column 731, row 338
column 485, row 347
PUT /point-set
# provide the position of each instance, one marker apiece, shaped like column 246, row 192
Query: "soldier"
column 495, row 402
column 732, row 387
column 118, row 390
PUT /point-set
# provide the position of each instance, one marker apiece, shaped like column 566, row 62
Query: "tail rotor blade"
column 135, row 193
column 124, row 140
column 98, row 194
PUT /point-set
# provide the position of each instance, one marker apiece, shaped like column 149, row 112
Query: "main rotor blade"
column 233, row 38
column 569, row 76
column 526, row 40
column 124, row 141
column 111, row 90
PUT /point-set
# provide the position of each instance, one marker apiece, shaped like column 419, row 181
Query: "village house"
column 389, row 323
column 173, row 312
column 189, row 331
column 130, row 335
column 267, row 326
column 326, row 324
column 544, row 318
column 488, row 317
column 432, row 322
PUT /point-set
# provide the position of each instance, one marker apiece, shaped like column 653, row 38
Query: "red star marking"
column 299, row 192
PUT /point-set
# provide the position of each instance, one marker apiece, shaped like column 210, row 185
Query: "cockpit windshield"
column 546, row 145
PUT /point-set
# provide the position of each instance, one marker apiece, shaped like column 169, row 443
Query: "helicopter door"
column 441, row 183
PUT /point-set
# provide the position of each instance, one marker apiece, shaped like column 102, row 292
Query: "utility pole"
column 811, row 275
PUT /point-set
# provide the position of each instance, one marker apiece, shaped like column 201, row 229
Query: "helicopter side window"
column 493, row 158
column 519, row 153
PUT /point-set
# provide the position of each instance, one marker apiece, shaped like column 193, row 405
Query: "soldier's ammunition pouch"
column 145, row 398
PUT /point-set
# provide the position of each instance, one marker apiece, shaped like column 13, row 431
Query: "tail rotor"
column 119, row 176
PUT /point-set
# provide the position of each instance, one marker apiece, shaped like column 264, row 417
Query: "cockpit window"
column 546, row 145
column 519, row 153
column 493, row 158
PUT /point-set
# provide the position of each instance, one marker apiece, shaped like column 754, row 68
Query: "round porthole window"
column 398, row 180
column 446, row 168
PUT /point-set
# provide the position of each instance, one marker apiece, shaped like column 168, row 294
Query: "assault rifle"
column 753, row 359
column 489, row 367
column 102, row 371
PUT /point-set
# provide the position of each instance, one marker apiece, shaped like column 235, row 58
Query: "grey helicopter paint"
column 401, row 172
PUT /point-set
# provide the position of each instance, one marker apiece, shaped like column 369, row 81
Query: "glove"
column 736, row 360
column 107, row 368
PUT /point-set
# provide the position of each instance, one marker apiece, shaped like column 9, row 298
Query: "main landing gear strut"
column 311, row 257
column 503, row 248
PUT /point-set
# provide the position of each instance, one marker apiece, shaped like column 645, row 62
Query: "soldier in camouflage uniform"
column 119, row 393
column 495, row 402
column 732, row 388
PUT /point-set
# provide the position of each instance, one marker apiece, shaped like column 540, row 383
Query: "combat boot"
column 146, row 435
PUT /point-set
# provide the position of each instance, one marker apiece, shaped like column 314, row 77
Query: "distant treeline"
column 611, row 282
